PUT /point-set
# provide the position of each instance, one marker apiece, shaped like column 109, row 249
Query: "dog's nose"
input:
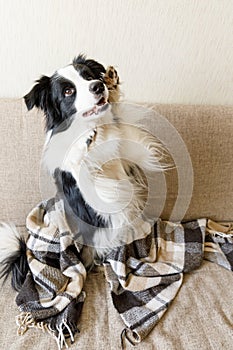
column 96, row 87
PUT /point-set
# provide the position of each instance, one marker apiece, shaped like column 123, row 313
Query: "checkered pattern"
column 51, row 297
column 144, row 275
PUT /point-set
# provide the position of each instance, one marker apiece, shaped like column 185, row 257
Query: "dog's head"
column 76, row 88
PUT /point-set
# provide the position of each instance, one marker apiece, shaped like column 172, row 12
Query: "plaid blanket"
column 144, row 275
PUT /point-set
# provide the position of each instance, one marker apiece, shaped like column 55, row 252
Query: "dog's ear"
column 95, row 66
column 38, row 96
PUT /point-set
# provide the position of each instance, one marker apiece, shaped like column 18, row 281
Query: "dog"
column 97, row 160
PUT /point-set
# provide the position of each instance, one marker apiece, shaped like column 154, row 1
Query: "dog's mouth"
column 99, row 107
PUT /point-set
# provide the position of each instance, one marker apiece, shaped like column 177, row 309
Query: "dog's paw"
column 111, row 78
column 112, row 82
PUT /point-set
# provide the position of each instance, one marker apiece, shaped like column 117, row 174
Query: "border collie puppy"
column 97, row 160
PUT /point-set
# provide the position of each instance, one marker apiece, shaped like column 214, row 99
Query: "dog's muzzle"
column 98, row 89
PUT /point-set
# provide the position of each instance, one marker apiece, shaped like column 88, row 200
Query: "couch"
column 201, row 316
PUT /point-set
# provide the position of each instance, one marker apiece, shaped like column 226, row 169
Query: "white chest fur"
column 103, row 171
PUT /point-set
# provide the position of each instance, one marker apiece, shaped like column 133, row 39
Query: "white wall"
column 169, row 51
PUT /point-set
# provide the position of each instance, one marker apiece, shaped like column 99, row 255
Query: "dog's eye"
column 69, row 91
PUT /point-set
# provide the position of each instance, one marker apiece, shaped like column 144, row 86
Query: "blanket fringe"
column 125, row 336
column 61, row 338
column 221, row 229
column 25, row 321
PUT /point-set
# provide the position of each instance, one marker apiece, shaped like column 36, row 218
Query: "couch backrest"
column 206, row 132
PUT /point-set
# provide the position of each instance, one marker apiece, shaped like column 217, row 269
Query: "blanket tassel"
column 25, row 321
column 124, row 337
column 221, row 229
column 60, row 338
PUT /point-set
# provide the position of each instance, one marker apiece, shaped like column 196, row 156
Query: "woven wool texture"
column 144, row 274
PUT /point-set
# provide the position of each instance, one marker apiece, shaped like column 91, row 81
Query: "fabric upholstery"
column 201, row 316
column 206, row 131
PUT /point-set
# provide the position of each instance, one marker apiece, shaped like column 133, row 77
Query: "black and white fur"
column 76, row 101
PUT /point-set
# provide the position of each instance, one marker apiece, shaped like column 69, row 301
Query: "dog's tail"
column 13, row 260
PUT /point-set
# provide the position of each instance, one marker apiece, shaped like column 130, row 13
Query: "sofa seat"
column 201, row 316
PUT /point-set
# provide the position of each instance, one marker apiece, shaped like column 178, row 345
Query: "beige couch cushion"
column 199, row 318
column 21, row 140
column 207, row 134
column 206, row 131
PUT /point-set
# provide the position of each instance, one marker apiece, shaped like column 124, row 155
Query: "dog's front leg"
column 77, row 153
